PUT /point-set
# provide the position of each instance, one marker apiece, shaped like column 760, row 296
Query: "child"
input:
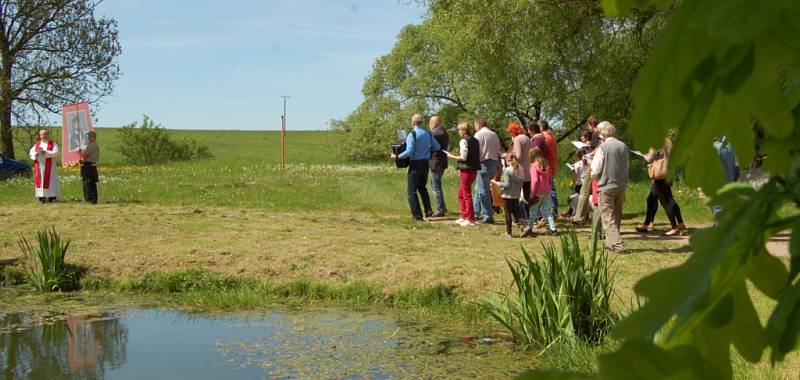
column 511, row 188
column 540, row 192
column 578, row 171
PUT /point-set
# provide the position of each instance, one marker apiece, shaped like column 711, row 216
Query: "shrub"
column 10, row 276
column 150, row 143
column 44, row 265
column 566, row 298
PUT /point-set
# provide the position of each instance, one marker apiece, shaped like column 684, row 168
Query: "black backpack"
column 400, row 148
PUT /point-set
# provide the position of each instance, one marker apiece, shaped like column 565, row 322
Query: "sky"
column 199, row 64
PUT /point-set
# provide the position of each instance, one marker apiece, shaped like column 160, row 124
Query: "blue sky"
column 224, row 64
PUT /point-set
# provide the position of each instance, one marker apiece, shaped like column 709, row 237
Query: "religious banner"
column 76, row 124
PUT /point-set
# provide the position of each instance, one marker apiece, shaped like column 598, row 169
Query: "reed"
column 44, row 264
column 557, row 298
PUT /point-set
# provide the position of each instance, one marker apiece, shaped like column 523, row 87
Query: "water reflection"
column 306, row 343
column 53, row 347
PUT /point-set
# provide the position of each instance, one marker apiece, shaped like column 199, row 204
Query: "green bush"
column 11, row 275
column 44, row 264
column 557, row 299
column 150, row 143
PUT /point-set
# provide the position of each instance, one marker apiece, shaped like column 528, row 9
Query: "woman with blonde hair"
column 468, row 161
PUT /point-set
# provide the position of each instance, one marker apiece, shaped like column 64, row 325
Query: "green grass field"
column 245, row 173
column 339, row 225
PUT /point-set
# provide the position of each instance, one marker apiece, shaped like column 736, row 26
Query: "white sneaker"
column 466, row 223
column 460, row 220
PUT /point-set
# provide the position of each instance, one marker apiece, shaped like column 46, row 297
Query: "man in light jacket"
column 610, row 169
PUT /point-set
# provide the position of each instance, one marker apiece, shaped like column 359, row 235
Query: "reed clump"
column 557, row 298
column 44, row 264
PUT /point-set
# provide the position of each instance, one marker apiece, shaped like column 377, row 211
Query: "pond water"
column 308, row 343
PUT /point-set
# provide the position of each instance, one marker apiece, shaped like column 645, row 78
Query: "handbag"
column 497, row 195
column 658, row 169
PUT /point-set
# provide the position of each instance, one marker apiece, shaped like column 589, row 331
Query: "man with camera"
column 419, row 145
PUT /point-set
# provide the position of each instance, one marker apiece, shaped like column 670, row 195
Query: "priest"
column 45, row 174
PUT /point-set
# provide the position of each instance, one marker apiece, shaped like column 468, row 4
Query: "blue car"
column 12, row 168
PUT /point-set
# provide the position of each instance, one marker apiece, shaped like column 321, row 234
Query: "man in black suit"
column 438, row 164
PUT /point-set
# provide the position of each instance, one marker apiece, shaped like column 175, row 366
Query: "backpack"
column 400, row 148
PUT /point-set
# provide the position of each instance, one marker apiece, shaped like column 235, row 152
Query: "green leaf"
column 745, row 330
column 767, row 273
column 640, row 359
column 784, row 324
column 721, row 314
column 781, row 152
column 659, row 92
column 703, row 280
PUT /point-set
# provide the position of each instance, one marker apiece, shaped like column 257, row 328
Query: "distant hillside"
column 312, row 147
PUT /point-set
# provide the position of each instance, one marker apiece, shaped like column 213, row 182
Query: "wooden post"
column 283, row 142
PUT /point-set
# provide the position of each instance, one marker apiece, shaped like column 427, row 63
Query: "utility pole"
column 283, row 133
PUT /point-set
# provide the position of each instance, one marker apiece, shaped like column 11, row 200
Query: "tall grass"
column 44, row 264
column 554, row 299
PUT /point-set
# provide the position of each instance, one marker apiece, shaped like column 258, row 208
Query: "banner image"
column 76, row 124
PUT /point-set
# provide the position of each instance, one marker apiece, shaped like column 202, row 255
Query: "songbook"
column 579, row 144
column 638, row 153
column 571, row 168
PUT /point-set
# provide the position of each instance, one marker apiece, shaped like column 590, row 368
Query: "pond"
column 318, row 343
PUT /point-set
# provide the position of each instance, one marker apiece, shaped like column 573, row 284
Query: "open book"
column 579, row 144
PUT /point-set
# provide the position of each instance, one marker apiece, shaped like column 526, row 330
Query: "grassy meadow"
column 322, row 219
column 322, row 229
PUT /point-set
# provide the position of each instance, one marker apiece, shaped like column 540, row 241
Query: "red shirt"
column 552, row 150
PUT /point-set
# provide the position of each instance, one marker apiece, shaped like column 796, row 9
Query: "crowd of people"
column 524, row 176
column 47, row 183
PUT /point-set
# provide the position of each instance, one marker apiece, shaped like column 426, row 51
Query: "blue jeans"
column 553, row 200
column 436, row 184
column 417, row 181
column 482, row 201
column 543, row 207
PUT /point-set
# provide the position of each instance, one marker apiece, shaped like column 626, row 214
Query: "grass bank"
column 213, row 291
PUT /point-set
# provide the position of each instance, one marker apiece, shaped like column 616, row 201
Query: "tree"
column 52, row 52
column 718, row 68
column 515, row 59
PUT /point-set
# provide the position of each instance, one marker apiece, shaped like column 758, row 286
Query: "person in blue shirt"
column 730, row 165
column 419, row 145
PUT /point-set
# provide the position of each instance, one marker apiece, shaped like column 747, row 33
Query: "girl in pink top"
column 541, row 180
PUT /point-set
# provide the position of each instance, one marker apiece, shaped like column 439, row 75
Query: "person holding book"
column 661, row 191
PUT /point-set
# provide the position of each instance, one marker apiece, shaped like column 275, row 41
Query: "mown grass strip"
column 216, row 291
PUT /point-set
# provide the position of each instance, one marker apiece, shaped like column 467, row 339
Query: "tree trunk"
column 6, row 136
column 5, row 132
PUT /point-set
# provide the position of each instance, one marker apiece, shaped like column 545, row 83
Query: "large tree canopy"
column 52, row 52
column 506, row 59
